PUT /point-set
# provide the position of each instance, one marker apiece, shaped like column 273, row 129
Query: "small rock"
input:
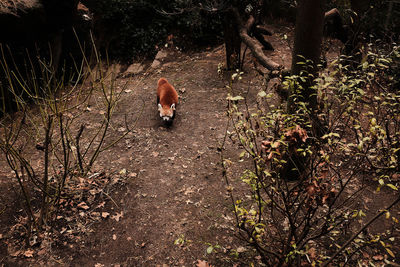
column 156, row 63
column 135, row 68
column 161, row 55
column 115, row 68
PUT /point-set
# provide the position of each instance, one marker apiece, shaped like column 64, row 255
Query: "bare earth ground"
column 173, row 203
column 176, row 188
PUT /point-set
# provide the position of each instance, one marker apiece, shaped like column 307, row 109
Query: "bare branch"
column 263, row 30
column 379, row 214
column 253, row 44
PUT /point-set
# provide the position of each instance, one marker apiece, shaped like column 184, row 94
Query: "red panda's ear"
column 159, row 107
column 173, row 106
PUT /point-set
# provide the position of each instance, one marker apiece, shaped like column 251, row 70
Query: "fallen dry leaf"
column 241, row 249
column 94, row 191
column 101, row 205
column 105, row 214
column 15, row 253
column 118, row 216
column 83, row 205
column 29, row 253
column 188, row 191
column 396, row 177
column 114, row 237
column 378, row 257
column 201, row 263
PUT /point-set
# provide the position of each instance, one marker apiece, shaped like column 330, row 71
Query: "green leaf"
column 262, row 94
column 234, row 98
column 392, row 186
column 390, row 252
column 210, row 250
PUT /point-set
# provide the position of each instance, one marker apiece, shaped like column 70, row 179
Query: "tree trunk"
column 307, row 48
column 306, row 51
column 232, row 41
column 389, row 16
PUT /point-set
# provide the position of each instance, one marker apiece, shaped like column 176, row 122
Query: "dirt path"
column 175, row 203
column 175, row 188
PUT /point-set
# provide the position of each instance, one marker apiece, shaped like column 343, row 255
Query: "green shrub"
column 321, row 217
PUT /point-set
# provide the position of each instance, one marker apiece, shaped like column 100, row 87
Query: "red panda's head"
column 167, row 113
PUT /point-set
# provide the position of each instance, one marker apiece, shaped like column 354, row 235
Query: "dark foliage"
column 135, row 28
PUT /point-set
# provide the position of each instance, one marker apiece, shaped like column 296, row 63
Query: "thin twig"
column 343, row 247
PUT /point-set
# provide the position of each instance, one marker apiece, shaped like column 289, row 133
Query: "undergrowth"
column 51, row 145
column 310, row 195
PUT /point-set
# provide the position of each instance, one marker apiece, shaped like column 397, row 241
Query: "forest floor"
column 169, row 201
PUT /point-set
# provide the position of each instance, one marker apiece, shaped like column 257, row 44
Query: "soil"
column 171, row 203
column 175, row 190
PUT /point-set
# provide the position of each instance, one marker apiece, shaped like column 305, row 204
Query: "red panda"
column 167, row 99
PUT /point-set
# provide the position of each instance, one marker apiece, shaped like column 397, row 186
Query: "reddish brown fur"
column 166, row 93
column 166, row 96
